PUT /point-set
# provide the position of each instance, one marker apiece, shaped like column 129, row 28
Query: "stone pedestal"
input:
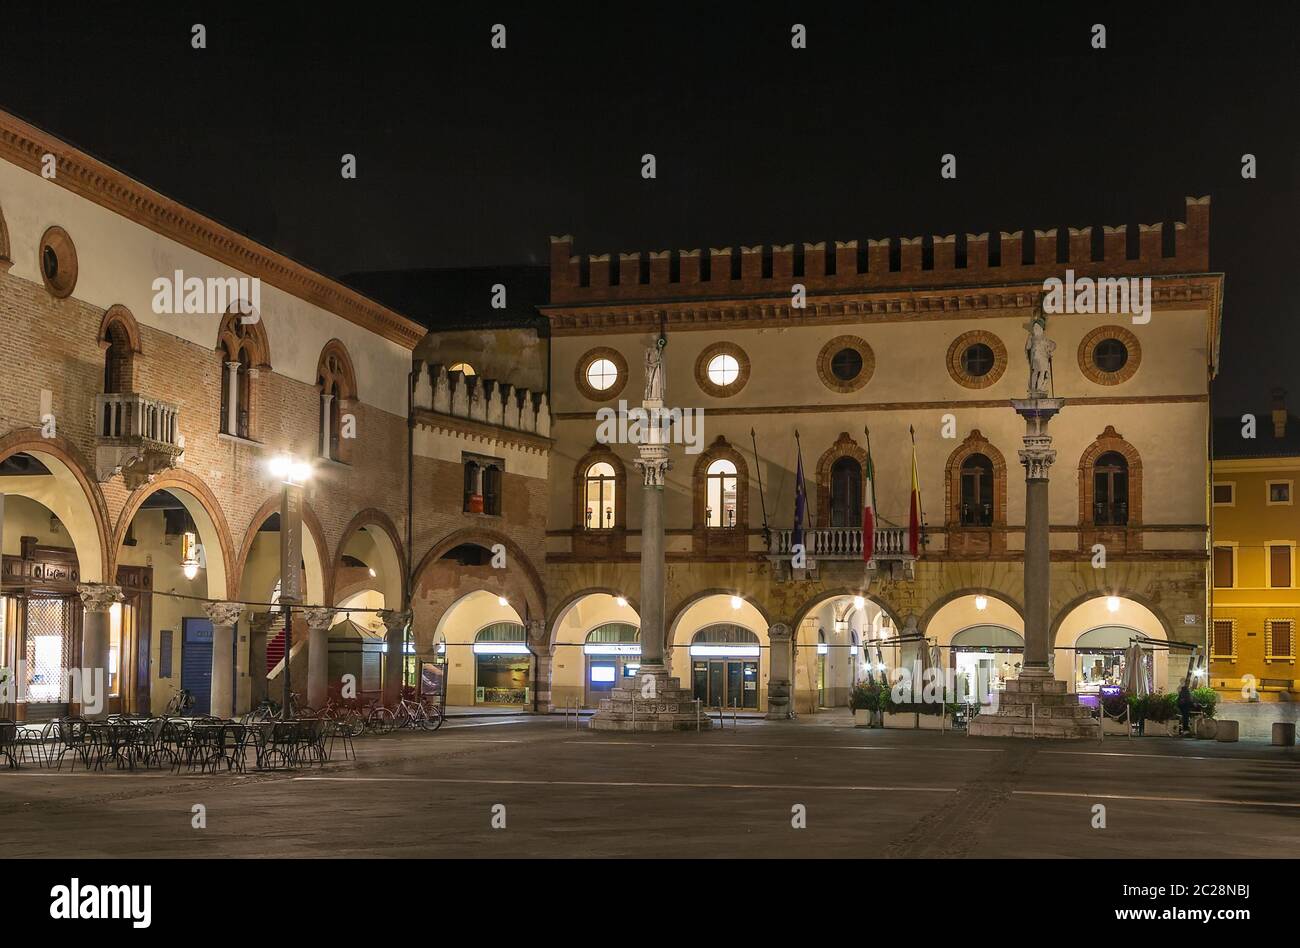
column 654, row 701
column 1036, row 707
column 779, row 706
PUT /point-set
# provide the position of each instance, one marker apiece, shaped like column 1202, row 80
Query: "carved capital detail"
column 394, row 620
column 98, row 597
column 223, row 613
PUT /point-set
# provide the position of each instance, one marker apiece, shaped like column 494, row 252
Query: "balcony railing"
column 842, row 543
column 1110, row 514
column 136, row 436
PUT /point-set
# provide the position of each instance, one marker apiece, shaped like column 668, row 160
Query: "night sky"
column 471, row 156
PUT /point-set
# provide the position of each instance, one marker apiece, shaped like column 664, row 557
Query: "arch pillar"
column 224, row 617
column 98, row 598
column 319, row 623
column 780, row 636
column 395, row 622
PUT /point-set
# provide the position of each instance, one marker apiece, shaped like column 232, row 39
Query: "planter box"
column 1284, row 733
column 1226, row 731
column 1111, row 726
column 932, row 722
column 905, row 720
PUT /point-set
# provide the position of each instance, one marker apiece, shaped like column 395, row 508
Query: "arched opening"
column 1110, row 490
column 594, row 633
column 337, row 383
column 53, row 540
column 720, row 494
column 719, row 644
column 483, row 642
column 1092, row 639
column 118, row 373
column 980, row 638
column 976, row 492
column 599, row 492
column 839, row 641
column 241, row 345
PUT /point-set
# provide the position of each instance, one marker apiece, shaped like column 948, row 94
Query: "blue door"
column 196, row 663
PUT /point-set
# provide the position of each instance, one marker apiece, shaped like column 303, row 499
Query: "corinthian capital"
column 394, row 620
column 99, row 597
column 223, row 613
column 319, row 618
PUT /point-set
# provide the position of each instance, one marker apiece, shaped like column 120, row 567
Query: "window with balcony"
column 600, row 495
column 720, row 500
column 976, row 509
column 1110, row 490
column 846, row 493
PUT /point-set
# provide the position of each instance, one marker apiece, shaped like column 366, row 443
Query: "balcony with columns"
column 136, row 436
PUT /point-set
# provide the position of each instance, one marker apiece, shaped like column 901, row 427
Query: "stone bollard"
column 1206, row 728
column 1284, row 733
column 1226, row 731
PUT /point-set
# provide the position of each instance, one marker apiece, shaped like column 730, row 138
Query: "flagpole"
column 874, row 505
column 758, row 469
column 920, row 504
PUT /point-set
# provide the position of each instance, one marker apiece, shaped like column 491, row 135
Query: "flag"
column 914, row 519
column 800, row 500
column 869, row 510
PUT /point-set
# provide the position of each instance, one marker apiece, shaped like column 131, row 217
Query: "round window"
column 723, row 369
column 977, row 360
column 602, row 374
column 1110, row 355
column 846, row 364
column 58, row 262
column 50, row 264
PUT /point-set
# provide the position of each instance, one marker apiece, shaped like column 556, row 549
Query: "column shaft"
column 1037, row 577
column 223, row 672
column 652, row 575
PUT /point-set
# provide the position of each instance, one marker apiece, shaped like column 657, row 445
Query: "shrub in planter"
column 1161, row 707
column 1207, row 699
column 1114, row 706
column 866, row 696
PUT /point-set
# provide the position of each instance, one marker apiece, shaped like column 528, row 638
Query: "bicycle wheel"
column 432, row 719
column 380, row 721
column 355, row 724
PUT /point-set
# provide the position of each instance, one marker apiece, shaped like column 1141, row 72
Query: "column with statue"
column 652, row 700
column 1037, row 704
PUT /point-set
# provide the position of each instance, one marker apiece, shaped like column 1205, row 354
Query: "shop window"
column 720, row 509
column 1279, row 566
column 1110, row 490
column 503, row 665
column 976, row 492
column 1223, row 644
column 1279, row 639
column 600, row 488
column 1224, row 567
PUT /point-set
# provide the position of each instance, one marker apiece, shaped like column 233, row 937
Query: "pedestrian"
column 1185, row 703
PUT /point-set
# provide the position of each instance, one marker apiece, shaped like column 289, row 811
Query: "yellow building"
column 1256, row 522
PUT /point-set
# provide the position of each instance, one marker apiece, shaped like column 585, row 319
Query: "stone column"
column 1037, row 457
column 541, row 650
column 224, row 617
column 232, row 404
column 98, row 599
column 325, row 400
column 778, row 676
column 654, row 465
column 259, row 624
column 395, row 622
column 319, row 623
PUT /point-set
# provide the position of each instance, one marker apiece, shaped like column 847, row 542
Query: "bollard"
column 1226, row 731
column 1284, row 733
column 697, row 714
column 1033, row 719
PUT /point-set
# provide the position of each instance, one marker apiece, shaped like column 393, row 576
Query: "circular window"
column 58, row 259
column 1109, row 355
column 846, row 363
column 977, row 359
column 722, row 369
column 601, row 374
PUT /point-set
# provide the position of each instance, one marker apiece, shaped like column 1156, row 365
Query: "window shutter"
column 1279, row 564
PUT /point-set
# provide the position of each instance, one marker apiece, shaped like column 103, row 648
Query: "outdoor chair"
column 339, row 732
column 32, row 743
column 9, row 742
column 74, row 736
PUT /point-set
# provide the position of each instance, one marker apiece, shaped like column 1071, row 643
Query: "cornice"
column 24, row 145
column 918, row 304
column 453, row 424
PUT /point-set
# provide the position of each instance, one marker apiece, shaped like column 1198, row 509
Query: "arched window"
column 846, row 493
column 720, row 494
column 976, row 508
column 337, row 384
column 1110, row 490
column 600, row 488
column 241, row 345
column 117, row 361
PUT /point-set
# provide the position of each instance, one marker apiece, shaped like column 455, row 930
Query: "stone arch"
column 373, row 516
column 1140, row 598
column 186, row 482
column 234, row 335
column 117, row 314
column 320, row 590
column 119, row 338
column 89, row 526
column 562, row 609
column 973, row 539
column 597, row 453
column 811, row 604
column 335, row 366
column 486, row 539
column 1127, row 537
column 844, row 447
column 933, row 608
column 674, row 618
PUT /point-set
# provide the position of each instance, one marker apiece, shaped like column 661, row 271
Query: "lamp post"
column 292, row 475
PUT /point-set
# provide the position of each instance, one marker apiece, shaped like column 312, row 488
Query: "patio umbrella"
column 1135, row 679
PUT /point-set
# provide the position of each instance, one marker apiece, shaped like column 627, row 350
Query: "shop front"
column 983, row 657
column 1100, row 658
column 502, row 666
column 725, row 666
column 611, row 654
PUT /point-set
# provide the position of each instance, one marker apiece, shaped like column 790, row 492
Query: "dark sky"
column 473, row 156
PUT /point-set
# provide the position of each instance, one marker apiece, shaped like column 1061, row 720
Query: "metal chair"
column 9, row 743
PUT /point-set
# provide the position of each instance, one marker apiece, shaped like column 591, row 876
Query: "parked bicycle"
column 408, row 714
column 346, row 714
column 179, row 704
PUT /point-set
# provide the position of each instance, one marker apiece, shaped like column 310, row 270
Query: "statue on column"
column 654, row 371
column 1038, row 350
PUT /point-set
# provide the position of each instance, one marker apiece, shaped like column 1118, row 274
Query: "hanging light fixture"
column 859, row 602
column 736, row 602
column 1112, row 603
column 190, row 554
column 981, row 603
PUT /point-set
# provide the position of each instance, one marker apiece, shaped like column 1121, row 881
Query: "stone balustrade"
column 489, row 401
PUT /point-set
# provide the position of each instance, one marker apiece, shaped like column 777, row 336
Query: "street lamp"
column 292, row 474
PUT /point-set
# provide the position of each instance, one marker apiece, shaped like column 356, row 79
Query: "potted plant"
column 865, row 696
column 1207, row 699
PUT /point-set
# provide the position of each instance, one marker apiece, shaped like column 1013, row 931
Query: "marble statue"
column 1039, row 349
column 654, row 372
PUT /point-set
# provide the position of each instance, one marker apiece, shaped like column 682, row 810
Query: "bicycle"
column 178, row 704
column 345, row 714
column 409, row 714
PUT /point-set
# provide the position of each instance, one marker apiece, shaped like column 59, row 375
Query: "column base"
column 672, row 708
column 1036, row 706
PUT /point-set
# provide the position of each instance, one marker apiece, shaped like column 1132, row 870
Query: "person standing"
column 1185, row 705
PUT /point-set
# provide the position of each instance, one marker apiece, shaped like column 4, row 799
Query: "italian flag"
column 869, row 512
column 914, row 519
